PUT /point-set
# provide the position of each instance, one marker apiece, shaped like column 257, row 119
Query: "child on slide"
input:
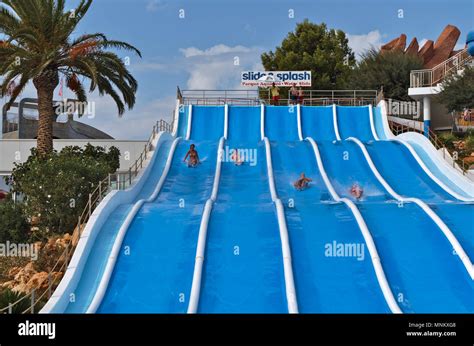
column 302, row 182
column 193, row 156
column 236, row 157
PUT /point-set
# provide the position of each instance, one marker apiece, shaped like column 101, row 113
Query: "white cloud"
column 216, row 68
column 361, row 43
column 214, row 50
column 154, row 5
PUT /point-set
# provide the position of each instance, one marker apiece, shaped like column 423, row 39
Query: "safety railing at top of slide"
column 114, row 181
column 400, row 128
column 252, row 97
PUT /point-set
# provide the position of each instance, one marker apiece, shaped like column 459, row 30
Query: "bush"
column 56, row 187
column 448, row 140
column 8, row 296
column 14, row 225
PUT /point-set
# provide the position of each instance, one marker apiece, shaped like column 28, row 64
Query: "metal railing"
column 431, row 77
column 115, row 181
column 458, row 164
column 263, row 95
column 220, row 97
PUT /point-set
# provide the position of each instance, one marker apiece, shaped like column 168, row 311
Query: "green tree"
column 38, row 47
column 390, row 70
column 56, row 189
column 458, row 91
column 325, row 52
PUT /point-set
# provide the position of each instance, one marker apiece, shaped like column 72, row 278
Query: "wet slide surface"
column 243, row 268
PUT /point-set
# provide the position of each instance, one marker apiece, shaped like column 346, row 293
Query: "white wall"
column 18, row 150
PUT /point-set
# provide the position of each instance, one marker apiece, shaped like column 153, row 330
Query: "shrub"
column 56, row 187
column 7, row 297
column 14, row 225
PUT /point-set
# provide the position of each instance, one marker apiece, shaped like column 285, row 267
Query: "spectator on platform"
column 275, row 91
column 293, row 94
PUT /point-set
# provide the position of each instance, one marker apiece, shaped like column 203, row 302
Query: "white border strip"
column 442, row 226
column 372, row 124
column 104, row 281
column 376, row 262
column 262, row 121
column 334, row 119
column 202, row 238
column 285, row 243
column 190, row 122
column 226, row 120
column 176, row 118
column 300, row 127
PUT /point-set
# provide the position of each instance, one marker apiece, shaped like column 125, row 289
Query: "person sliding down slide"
column 302, row 182
column 236, row 157
column 356, row 191
column 193, row 156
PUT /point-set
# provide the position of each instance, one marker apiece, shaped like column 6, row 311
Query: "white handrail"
column 190, row 120
column 436, row 219
column 202, row 238
column 226, row 120
column 300, row 127
column 285, row 243
column 334, row 120
column 262, row 121
column 104, row 281
column 374, row 256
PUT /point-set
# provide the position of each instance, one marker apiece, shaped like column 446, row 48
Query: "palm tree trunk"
column 45, row 85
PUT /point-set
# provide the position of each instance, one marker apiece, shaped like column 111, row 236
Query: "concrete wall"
column 18, row 150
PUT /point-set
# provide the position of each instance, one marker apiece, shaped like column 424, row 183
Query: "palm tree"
column 38, row 46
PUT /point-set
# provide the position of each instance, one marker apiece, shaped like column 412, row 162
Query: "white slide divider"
column 372, row 123
column 436, row 219
column 413, row 152
column 334, row 119
column 226, row 120
column 300, row 127
column 176, row 118
column 262, row 121
column 190, row 122
column 376, row 262
column 104, row 282
column 202, row 238
column 285, row 242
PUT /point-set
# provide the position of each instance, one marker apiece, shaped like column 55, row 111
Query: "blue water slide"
column 183, row 118
column 243, row 271
column 354, row 122
column 317, row 226
column 470, row 43
column 244, row 124
column 318, row 123
column 281, row 123
column 155, row 275
column 95, row 262
column 207, row 123
column 417, row 257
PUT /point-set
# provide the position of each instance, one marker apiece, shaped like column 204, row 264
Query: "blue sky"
column 198, row 51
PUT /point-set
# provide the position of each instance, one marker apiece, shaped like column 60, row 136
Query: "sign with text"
column 280, row 78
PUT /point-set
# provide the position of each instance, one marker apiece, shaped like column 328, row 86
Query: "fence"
column 116, row 181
